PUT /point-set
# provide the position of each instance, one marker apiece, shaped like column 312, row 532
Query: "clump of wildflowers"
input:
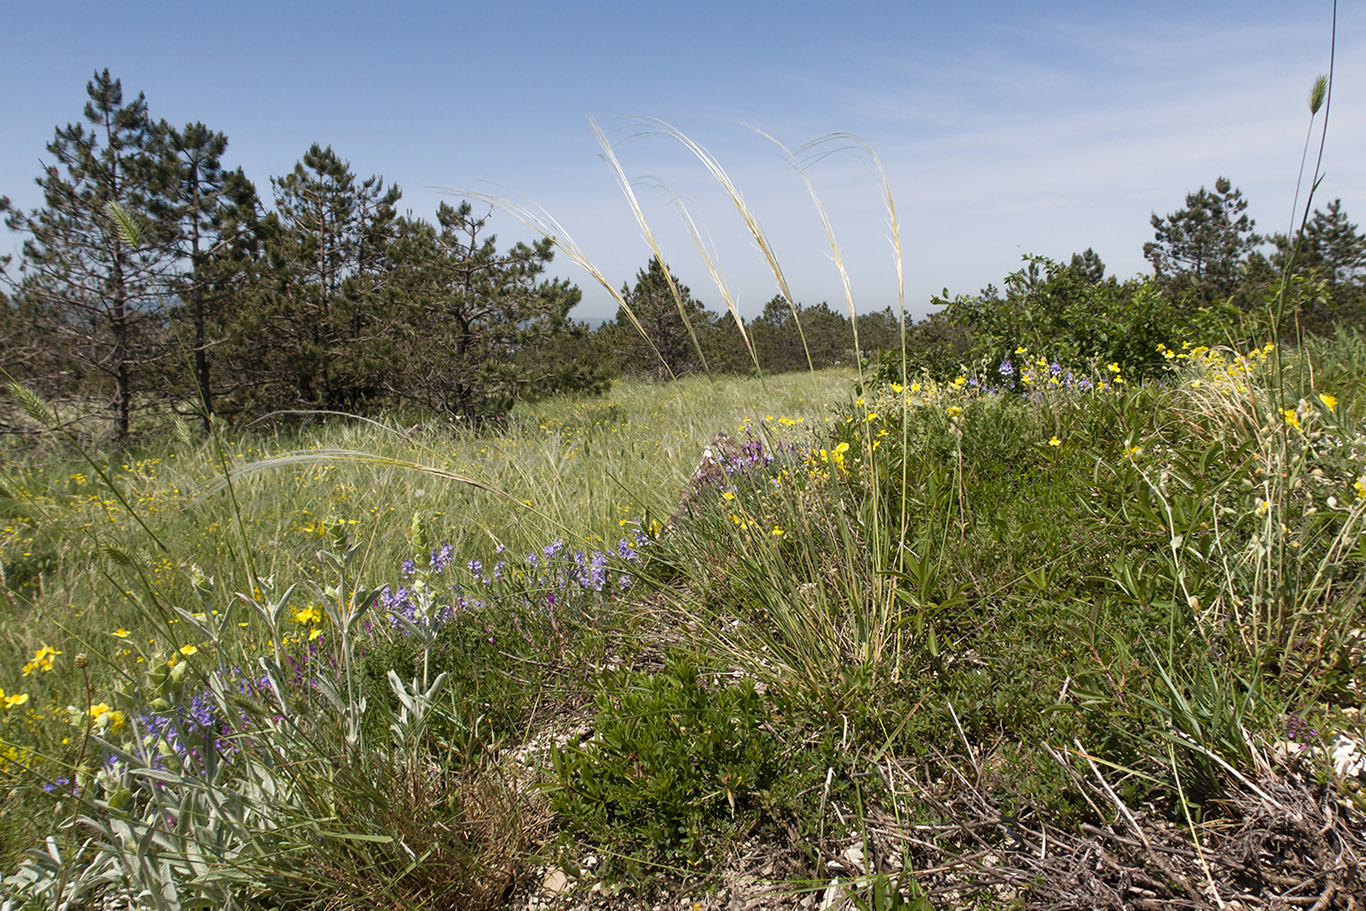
column 555, row 574
column 42, row 660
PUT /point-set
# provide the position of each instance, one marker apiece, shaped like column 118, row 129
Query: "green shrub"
column 673, row 768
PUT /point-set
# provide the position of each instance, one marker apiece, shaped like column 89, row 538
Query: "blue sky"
column 1005, row 127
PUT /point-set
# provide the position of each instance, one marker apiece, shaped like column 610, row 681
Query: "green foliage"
column 674, row 768
column 1199, row 252
column 316, row 337
column 1007, row 580
column 657, row 328
column 96, row 300
column 935, row 347
column 476, row 329
column 216, row 214
column 1329, row 256
column 779, row 347
column 1063, row 311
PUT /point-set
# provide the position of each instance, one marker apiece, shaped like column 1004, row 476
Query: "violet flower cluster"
column 433, row 594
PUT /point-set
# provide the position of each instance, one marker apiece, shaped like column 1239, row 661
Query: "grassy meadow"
column 925, row 643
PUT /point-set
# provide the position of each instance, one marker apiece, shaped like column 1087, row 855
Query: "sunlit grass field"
column 577, row 470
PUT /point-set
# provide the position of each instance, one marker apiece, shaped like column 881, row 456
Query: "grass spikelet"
column 129, row 233
column 33, row 406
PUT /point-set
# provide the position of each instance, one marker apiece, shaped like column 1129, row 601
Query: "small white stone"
column 556, row 881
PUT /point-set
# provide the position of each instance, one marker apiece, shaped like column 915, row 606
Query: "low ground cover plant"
column 674, row 767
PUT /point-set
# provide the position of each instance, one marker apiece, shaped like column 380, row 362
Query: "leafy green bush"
column 1068, row 311
column 672, row 769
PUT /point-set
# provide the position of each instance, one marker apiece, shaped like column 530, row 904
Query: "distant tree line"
column 154, row 276
column 674, row 336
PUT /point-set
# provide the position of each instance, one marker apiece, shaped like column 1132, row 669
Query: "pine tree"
column 1199, row 252
column 1333, row 252
column 829, row 337
column 215, row 212
column 1335, row 247
column 662, row 345
column 1088, row 266
column 476, row 329
column 320, row 329
column 96, row 295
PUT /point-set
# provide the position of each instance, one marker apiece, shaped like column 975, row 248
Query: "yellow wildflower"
column 13, row 700
column 1292, row 418
column 42, row 660
column 188, row 650
column 121, row 633
column 1055, row 442
column 953, row 411
column 309, row 614
column 777, row 532
column 1329, row 401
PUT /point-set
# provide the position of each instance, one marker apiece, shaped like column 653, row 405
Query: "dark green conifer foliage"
column 665, row 324
column 215, row 213
column 97, row 298
column 1336, row 248
column 475, row 329
column 319, row 334
column 1088, row 266
column 1332, row 253
column 829, row 337
column 1199, row 252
